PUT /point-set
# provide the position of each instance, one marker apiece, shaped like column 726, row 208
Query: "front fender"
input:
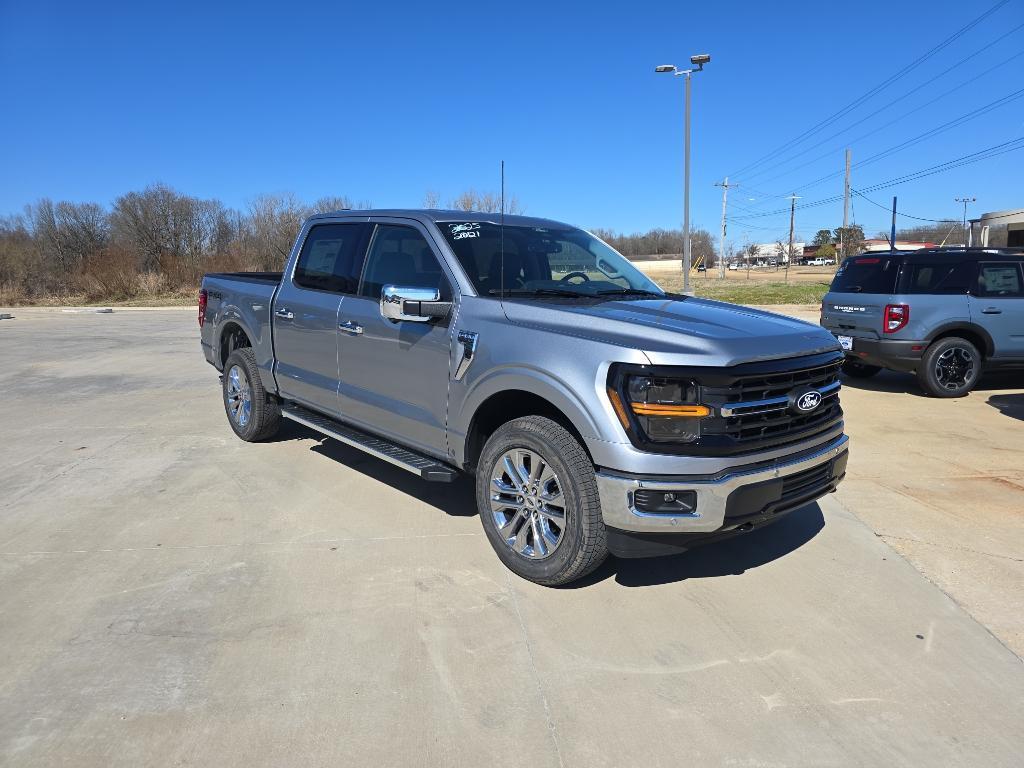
column 523, row 378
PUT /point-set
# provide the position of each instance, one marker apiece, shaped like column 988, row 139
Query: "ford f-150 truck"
column 597, row 412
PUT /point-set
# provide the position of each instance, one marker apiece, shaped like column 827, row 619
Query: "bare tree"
column 431, row 199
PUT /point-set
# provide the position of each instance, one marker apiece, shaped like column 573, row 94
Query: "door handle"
column 991, row 311
column 351, row 326
column 284, row 313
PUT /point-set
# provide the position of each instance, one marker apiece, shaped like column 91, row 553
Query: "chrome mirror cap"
column 394, row 300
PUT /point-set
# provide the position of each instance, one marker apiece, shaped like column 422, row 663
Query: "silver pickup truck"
column 597, row 412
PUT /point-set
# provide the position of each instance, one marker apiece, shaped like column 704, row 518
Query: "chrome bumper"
column 616, row 493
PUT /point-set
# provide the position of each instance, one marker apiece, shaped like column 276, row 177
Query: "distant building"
column 767, row 252
column 881, row 244
column 1012, row 219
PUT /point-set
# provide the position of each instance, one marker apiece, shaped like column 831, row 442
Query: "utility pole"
column 792, row 212
column 846, row 210
column 725, row 195
column 965, row 201
column 892, row 236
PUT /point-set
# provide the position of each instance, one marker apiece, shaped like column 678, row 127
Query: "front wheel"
column 536, row 491
column 950, row 367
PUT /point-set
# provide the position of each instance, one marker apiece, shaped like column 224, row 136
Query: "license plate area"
column 846, row 342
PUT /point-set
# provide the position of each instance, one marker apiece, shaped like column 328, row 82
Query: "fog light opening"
column 654, row 502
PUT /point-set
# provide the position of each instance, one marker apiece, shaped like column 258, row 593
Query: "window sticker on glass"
column 464, row 230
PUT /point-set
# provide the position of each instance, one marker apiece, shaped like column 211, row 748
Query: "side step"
column 424, row 466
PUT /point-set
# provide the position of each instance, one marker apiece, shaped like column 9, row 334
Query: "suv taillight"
column 202, row 308
column 896, row 317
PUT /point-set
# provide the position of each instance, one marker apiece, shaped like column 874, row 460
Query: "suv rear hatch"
column 860, row 291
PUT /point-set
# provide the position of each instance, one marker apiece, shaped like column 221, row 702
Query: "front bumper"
column 730, row 499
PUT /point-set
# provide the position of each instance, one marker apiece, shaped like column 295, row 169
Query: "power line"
column 899, row 213
column 875, row 130
column 954, row 123
column 877, row 89
column 982, row 154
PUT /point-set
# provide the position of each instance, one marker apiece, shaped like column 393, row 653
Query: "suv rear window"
column 866, row 274
column 948, row 278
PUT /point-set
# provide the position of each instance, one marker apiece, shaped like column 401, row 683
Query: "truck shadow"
column 455, row 498
column 1009, row 405
column 731, row 557
column 725, row 558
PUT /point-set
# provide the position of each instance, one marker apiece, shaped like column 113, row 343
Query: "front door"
column 394, row 375
column 997, row 305
column 306, row 314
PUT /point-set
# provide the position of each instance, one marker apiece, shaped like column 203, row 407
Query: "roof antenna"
column 502, row 232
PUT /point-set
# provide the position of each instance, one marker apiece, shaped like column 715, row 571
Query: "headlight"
column 665, row 408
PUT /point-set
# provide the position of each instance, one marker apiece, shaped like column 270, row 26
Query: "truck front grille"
column 756, row 409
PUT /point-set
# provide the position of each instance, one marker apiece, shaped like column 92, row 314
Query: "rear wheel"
column 950, row 367
column 252, row 413
column 858, row 370
column 537, row 495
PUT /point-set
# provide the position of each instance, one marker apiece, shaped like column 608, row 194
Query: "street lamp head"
column 700, row 60
column 665, row 68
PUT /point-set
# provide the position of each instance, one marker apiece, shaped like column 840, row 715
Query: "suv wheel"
column 858, row 370
column 950, row 367
column 252, row 413
column 536, row 491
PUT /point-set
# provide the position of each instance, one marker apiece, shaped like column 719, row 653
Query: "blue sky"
column 383, row 101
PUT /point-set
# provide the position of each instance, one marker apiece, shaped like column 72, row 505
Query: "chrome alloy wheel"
column 238, row 396
column 527, row 503
column 954, row 367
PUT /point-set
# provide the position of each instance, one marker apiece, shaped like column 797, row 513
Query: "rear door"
column 862, row 286
column 306, row 313
column 394, row 375
column 997, row 305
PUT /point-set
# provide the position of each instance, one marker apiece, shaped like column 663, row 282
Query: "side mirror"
column 418, row 305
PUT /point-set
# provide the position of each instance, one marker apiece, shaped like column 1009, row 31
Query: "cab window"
column 401, row 256
column 331, row 258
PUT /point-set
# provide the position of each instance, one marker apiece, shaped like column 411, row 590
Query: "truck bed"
column 249, row 277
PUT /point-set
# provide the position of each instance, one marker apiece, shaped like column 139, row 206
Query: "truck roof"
column 435, row 214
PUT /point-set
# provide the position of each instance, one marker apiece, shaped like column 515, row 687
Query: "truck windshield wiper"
column 629, row 292
column 539, row 292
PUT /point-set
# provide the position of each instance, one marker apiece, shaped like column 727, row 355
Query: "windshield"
column 542, row 261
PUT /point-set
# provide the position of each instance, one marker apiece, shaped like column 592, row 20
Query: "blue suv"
column 944, row 314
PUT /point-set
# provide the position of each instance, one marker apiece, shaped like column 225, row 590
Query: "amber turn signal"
column 658, row 409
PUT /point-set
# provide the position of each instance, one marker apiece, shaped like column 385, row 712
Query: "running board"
column 424, row 466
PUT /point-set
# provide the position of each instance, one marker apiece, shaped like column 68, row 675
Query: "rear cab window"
column 331, row 258
column 867, row 274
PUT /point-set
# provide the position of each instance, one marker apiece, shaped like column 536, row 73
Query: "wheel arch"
column 232, row 335
column 505, row 405
column 973, row 333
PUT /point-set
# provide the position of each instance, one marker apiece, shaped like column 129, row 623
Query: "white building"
column 777, row 252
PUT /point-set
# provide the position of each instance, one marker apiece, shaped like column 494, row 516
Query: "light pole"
column 965, row 201
column 698, row 63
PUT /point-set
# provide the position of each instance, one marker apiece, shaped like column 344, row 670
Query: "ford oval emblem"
column 808, row 401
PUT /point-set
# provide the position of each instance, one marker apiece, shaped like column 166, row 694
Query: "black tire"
column 582, row 544
column 950, row 367
column 264, row 414
column 858, row 370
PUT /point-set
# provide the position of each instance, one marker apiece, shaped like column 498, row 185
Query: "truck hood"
column 670, row 331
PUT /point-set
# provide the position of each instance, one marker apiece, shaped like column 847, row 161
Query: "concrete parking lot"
column 170, row 595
